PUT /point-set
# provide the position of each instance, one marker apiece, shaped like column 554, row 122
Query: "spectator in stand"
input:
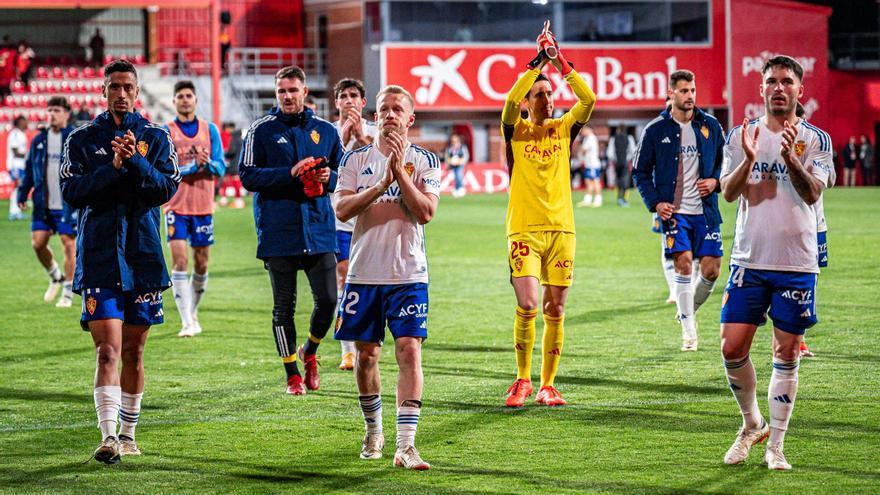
column 8, row 66
column 312, row 104
column 96, row 44
column 457, row 156
column 25, row 62
column 866, row 156
column 82, row 116
column 225, row 45
column 850, row 155
column 231, row 182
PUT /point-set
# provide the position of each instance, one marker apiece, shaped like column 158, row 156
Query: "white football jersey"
column 369, row 129
column 819, row 206
column 775, row 227
column 388, row 244
column 590, row 152
column 687, row 195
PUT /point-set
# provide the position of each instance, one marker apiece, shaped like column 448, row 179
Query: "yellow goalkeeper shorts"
column 547, row 256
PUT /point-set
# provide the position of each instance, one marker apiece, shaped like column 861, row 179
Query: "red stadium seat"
column 107, row 59
column 9, row 101
column 35, row 116
column 42, row 101
column 18, row 87
column 140, row 60
column 96, row 86
column 89, row 72
column 81, row 87
column 42, row 72
column 25, row 102
column 57, row 72
column 33, row 87
column 72, row 73
column 65, row 87
column 50, row 87
column 5, row 118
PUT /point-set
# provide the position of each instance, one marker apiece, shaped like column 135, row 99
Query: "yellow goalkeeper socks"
column 524, row 341
column 551, row 347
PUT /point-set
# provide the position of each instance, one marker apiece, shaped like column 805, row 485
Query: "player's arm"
column 350, row 203
column 643, row 168
column 510, row 113
column 741, row 149
column 27, row 183
column 712, row 183
column 79, row 188
column 809, row 188
column 157, row 173
column 253, row 170
column 216, row 165
column 334, row 159
column 421, row 205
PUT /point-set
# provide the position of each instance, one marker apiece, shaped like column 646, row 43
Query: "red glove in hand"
column 311, row 187
column 547, row 43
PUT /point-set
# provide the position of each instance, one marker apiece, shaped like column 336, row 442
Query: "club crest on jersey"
column 316, row 138
column 410, row 168
column 670, row 241
column 171, row 230
column 704, row 130
column 799, row 147
column 143, row 147
column 518, row 264
column 91, row 305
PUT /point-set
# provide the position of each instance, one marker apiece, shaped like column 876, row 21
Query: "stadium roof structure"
column 212, row 5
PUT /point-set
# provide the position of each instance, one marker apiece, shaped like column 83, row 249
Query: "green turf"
column 643, row 417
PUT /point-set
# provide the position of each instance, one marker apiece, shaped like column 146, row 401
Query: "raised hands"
column 787, row 150
column 123, row 148
column 749, row 143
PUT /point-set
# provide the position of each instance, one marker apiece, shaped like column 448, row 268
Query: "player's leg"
column 793, row 311
column 680, row 234
column 107, row 337
column 282, row 275
column 199, row 282
column 668, row 264
column 201, row 239
column 406, row 310
column 68, row 244
column 709, row 269
column 177, row 227
column 134, row 337
column 707, row 249
column 343, row 241
column 524, row 259
column 595, row 185
column 40, row 243
column 746, row 300
column 552, row 343
column 526, row 290
column 321, row 272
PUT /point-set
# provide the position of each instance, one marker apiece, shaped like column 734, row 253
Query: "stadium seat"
column 42, row 101
column 33, row 87
column 50, row 87
column 42, row 72
column 18, row 87
column 72, row 73
column 9, row 101
column 140, row 60
column 57, row 73
column 35, row 116
column 25, row 102
column 65, row 87
column 96, row 86
column 89, row 72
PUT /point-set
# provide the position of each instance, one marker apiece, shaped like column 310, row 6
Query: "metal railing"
column 185, row 61
column 267, row 61
column 856, row 50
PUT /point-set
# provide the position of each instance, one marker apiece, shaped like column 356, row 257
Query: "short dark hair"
column 17, row 120
column 185, row 84
column 348, row 82
column 680, row 75
column 291, row 72
column 119, row 65
column 58, row 101
column 784, row 61
column 541, row 77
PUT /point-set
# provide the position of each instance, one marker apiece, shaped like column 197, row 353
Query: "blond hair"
column 394, row 89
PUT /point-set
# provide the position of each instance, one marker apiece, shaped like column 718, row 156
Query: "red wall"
column 255, row 23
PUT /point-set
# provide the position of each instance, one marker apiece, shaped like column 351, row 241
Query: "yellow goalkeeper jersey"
column 538, row 158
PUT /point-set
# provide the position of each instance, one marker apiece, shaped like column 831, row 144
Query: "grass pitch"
column 643, row 416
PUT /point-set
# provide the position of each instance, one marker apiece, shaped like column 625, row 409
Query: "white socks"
column 407, row 424
column 129, row 413
column 347, row 346
column 780, row 396
column 684, row 297
column 107, row 402
column 371, row 406
column 702, row 291
column 54, row 272
column 183, row 296
column 668, row 265
column 199, row 283
column 742, row 380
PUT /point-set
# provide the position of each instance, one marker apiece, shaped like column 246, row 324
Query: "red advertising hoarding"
column 778, row 27
column 452, row 77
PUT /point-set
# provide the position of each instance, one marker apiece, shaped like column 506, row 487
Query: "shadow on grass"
column 600, row 315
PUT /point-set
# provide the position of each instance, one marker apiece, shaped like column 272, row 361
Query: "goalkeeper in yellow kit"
column 540, row 219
